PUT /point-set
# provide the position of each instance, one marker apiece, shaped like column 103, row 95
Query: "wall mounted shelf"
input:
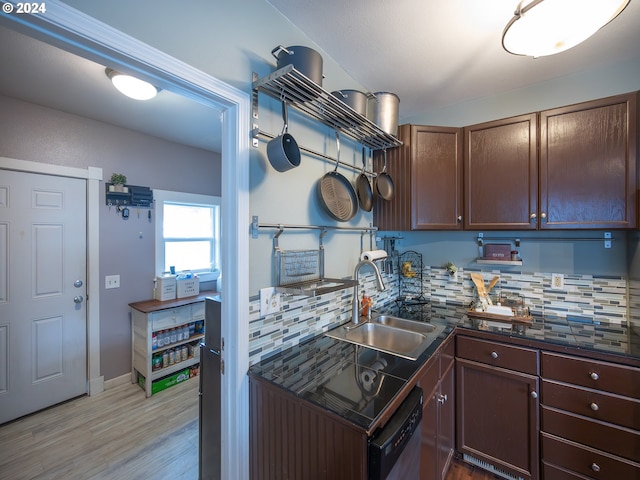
column 287, row 84
column 134, row 196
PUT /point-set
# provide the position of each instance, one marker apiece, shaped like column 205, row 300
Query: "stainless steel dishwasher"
column 394, row 451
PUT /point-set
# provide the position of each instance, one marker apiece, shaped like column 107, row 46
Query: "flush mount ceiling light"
column 545, row 27
column 130, row 86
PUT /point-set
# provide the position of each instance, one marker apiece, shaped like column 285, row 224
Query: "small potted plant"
column 118, row 180
column 452, row 270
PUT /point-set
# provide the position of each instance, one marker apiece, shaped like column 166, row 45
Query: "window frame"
column 161, row 197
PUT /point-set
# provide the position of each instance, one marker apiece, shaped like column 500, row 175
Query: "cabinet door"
column 436, row 178
column 588, row 164
column 427, row 174
column 498, row 417
column 429, row 437
column 501, row 174
column 446, row 421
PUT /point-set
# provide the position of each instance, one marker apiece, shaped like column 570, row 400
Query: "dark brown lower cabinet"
column 438, row 414
column 497, row 411
column 289, row 439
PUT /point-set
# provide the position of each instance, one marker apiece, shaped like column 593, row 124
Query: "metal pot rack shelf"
column 308, row 97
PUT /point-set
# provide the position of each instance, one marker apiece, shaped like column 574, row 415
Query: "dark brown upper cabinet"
column 501, row 174
column 427, row 172
column 588, row 164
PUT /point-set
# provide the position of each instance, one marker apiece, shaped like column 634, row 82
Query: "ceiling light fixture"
column 130, row 86
column 545, row 27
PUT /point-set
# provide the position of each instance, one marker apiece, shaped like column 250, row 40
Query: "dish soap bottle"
column 365, row 305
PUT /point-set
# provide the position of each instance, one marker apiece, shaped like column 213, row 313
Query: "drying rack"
column 301, row 272
column 411, row 300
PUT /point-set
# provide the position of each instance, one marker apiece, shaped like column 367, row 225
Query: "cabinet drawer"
column 586, row 461
column 521, row 359
column 447, row 357
column 429, row 379
column 551, row 472
column 603, row 436
column 170, row 318
column 592, row 403
column 608, row 377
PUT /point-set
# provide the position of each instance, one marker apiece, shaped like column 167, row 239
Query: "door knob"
column 77, row 283
column 78, row 299
column 534, row 394
column 442, row 398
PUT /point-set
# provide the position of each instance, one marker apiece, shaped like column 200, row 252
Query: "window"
column 187, row 232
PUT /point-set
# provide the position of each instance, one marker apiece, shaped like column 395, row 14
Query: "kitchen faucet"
column 355, row 320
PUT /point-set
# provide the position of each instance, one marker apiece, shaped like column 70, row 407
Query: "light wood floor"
column 118, row 434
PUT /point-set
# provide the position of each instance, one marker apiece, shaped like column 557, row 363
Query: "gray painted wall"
column 35, row 133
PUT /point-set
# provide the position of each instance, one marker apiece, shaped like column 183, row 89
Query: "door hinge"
column 222, row 367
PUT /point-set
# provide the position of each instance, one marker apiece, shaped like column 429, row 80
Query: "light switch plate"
column 557, row 281
column 112, row 281
column 269, row 301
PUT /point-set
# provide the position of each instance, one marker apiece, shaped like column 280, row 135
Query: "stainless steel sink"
column 404, row 324
column 394, row 335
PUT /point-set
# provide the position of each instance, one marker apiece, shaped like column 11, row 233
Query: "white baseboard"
column 117, row 381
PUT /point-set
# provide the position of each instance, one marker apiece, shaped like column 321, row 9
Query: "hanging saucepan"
column 384, row 183
column 283, row 151
column 365, row 195
column 336, row 194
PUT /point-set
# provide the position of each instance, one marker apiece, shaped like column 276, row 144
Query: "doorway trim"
column 74, row 31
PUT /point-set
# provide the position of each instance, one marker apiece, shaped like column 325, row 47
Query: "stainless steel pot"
column 383, row 111
column 353, row 98
column 304, row 59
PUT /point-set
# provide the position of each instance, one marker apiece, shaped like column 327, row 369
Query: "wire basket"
column 295, row 266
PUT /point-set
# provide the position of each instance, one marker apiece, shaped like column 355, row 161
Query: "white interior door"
column 42, row 291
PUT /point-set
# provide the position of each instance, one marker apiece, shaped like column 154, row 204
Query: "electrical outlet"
column 112, row 281
column 269, row 301
column 557, row 281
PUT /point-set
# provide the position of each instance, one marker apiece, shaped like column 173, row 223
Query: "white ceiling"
column 48, row 76
column 434, row 53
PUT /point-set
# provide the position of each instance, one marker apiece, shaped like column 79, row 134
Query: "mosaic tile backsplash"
column 591, row 307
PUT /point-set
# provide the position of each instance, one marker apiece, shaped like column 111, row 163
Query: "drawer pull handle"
column 594, row 376
column 595, row 407
column 494, row 354
column 595, row 467
column 534, row 394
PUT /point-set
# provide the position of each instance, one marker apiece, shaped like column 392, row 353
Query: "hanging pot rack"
column 287, row 84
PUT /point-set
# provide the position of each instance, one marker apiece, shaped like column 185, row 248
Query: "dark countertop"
column 615, row 342
column 358, row 383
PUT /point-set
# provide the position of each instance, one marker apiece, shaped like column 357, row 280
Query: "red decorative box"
column 497, row 251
